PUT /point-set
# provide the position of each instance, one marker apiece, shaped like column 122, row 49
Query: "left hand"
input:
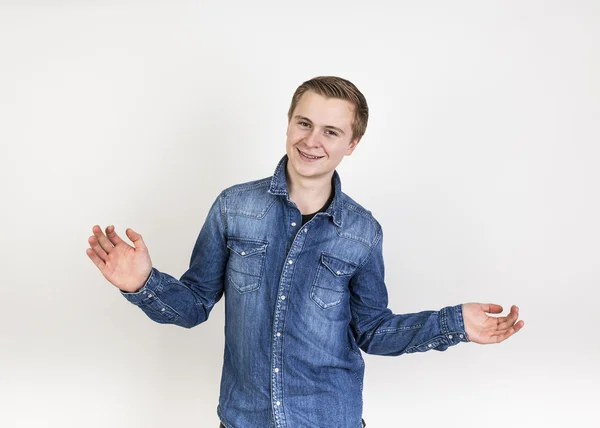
column 484, row 329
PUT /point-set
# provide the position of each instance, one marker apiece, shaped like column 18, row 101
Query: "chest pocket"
column 246, row 263
column 331, row 281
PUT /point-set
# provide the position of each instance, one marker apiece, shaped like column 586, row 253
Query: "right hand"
column 126, row 267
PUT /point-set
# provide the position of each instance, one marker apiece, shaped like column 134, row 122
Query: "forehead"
column 325, row 111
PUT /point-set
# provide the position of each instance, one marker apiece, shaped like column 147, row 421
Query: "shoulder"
column 359, row 222
column 250, row 199
column 247, row 187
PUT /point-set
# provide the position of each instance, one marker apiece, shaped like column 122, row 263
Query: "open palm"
column 124, row 266
column 484, row 329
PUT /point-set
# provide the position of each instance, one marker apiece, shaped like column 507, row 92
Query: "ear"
column 352, row 146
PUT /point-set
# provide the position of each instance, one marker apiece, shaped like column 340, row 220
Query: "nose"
column 312, row 140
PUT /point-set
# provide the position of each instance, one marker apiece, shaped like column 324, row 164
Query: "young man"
column 301, row 267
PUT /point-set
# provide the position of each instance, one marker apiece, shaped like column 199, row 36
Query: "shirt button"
column 430, row 345
column 293, row 223
column 144, row 292
column 162, row 309
column 243, row 253
column 461, row 336
column 278, row 403
column 305, row 229
column 278, row 334
column 449, row 336
column 282, row 297
column 149, row 295
column 290, row 261
column 276, row 370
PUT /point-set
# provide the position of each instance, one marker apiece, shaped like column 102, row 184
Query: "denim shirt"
column 301, row 302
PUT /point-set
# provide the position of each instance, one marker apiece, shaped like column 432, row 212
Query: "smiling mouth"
column 308, row 156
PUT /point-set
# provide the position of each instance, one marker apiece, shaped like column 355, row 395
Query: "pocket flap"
column 246, row 247
column 337, row 266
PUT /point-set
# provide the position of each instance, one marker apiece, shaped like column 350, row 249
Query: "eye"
column 333, row 133
column 302, row 123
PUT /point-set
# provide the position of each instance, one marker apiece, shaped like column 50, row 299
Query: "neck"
column 309, row 194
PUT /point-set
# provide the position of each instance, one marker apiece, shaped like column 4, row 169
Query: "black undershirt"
column 307, row 217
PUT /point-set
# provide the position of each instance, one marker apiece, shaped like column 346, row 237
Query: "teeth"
column 310, row 157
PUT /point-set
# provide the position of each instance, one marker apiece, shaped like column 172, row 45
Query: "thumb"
column 136, row 238
column 491, row 308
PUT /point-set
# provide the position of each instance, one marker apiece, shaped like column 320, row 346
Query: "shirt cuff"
column 146, row 292
column 452, row 324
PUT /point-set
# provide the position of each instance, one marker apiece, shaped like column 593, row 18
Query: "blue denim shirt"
column 301, row 302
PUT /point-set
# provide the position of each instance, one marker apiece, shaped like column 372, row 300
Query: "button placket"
column 278, row 321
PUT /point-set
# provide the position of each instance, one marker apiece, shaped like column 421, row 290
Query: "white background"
column 480, row 161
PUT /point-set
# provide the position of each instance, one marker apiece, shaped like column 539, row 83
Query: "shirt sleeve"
column 188, row 301
column 379, row 331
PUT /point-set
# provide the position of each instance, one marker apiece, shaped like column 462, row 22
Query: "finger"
column 112, row 235
column 94, row 257
column 508, row 332
column 491, row 308
column 93, row 241
column 102, row 239
column 136, row 238
column 497, row 338
column 509, row 320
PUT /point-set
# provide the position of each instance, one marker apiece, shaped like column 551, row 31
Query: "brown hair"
column 336, row 87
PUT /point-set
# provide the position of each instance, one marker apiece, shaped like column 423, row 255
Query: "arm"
column 379, row 331
column 188, row 301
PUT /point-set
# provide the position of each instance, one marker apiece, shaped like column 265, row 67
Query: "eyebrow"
column 326, row 126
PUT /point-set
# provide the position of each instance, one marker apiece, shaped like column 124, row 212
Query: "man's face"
column 319, row 135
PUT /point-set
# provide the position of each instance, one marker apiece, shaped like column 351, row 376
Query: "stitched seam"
column 244, row 288
column 247, row 186
column 163, row 304
column 244, row 273
column 358, row 209
column 253, row 215
column 396, row 329
column 377, row 239
column 340, row 259
column 349, row 238
column 437, row 340
column 354, row 314
column 356, row 320
column 314, row 296
column 223, row 211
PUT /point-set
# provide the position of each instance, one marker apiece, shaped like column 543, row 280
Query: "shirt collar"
column 279, row 187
